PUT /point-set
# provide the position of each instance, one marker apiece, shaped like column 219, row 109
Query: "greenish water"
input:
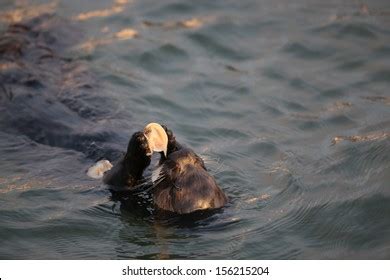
column 259, row 88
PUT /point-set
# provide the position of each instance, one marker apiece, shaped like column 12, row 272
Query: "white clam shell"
column 157, row 138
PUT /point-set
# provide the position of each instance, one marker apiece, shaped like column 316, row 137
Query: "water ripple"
column 288, row 101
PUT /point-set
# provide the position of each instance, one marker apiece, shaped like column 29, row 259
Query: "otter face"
column 157, row 138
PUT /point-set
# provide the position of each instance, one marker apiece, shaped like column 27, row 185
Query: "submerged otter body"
column 185, row 185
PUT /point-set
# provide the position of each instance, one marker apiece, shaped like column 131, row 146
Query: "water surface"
column 288, row 102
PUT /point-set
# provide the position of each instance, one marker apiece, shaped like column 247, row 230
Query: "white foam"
column 97, row 170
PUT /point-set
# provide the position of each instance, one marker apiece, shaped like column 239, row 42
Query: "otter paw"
column 171, row 137
column 138, row 145
column 173, row 145
column 142, row 142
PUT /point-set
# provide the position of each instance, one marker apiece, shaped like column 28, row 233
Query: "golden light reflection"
column 91, row 44
column 71, row 76
column 105, row 29
column 17, row 183
column 27, row 12
column 99, row 13
column 122, row 2
column 279, row 167
column 118, row 7
column 256, row 199
column 124, row 34
column 338, row 106
column 8, row 66
column 363, row 10
column 192, row 23
column 361, row 138
column 382, row 99
column 335, row 107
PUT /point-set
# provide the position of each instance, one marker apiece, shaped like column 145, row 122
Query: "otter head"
column 182, row 163
column 184, row 185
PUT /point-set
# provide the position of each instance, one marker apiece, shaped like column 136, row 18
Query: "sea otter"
column 181, row 183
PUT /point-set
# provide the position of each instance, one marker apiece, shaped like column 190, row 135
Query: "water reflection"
column 361, row 138
column 124, row 34
column 26, row 11
column 192, row 23
column 117, row 7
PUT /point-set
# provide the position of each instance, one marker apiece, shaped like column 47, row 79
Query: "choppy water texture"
column 288, row 101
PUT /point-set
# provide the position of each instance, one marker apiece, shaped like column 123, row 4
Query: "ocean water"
column 287, row 101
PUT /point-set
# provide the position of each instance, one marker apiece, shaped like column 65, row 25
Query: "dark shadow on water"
column 48, row 97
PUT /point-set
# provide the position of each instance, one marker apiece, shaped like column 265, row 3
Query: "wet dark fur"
column 187, row 186
column 127, row 172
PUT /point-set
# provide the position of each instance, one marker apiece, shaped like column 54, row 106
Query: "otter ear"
column 157, row 138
